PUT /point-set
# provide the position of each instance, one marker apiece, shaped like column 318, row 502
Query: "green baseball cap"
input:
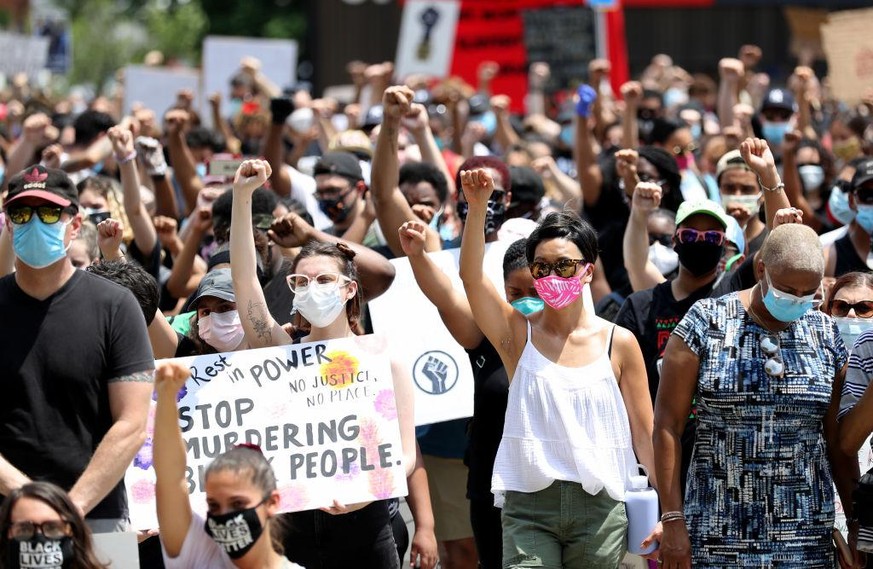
column 707, row 207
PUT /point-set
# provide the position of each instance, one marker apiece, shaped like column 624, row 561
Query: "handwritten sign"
column 323, row 414
column 848, row 44
column 23, row 54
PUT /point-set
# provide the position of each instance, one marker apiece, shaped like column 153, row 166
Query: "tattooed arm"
column 261, row 329
column 128, row 402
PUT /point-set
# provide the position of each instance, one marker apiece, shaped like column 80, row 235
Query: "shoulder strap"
column 528, row 331
column 609, row 342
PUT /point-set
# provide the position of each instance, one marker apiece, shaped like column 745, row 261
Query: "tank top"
column 847, row 257
column 564, row 423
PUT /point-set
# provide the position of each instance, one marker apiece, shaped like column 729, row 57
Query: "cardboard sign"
column 23, row 54
column 848, row 44
column 440, row 367
column 156, row 87
column 323, row 413
column 564, row 38
column 427, row 34
column 221, row 61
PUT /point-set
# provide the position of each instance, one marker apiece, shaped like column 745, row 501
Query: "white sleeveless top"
column 564, row 423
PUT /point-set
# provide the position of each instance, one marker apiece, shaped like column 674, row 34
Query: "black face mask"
column 493, row 215
column 335, row 208
column 699, row 258
column 235, row 532
column 40, row 551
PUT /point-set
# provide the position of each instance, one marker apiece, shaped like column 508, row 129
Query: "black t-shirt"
column 57, row 357
column 490, row 395
column 740, row 278
column 652, row 315
column 848, row 260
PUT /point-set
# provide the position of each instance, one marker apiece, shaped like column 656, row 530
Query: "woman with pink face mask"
column 578, row 407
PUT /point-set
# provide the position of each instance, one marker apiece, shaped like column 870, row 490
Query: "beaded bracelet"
column 672, row 517
column 129, row 158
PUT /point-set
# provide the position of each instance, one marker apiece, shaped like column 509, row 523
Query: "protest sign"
column 805, row 25
column 156, row 87
column 564, row 38
column 440, row 367
column 427, row 34
column 221, row 61
column 23, row 54
column 323, row 414
column 848, row 44
column 117, row 550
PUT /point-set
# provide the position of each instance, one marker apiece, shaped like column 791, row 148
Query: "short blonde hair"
column 793, row 247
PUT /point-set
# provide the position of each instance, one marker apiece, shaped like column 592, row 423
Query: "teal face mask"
column 528, row 305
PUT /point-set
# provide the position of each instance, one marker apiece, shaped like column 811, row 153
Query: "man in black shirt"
column 75, row 358
column 652, row 314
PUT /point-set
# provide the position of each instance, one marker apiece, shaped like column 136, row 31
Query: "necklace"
column 751, row 309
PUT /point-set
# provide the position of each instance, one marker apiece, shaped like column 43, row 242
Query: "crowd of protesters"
column 686, row 287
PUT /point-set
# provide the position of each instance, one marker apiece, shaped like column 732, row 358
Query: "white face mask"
column 222, row 330
column 320, row 304
column 751, row 203
column 664, row 258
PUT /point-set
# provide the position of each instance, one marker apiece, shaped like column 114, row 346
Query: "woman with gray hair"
column 765, row 371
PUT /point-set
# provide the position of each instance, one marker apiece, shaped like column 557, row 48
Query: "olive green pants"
column 563, row 526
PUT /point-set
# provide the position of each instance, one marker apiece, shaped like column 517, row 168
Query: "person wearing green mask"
column 491, row 387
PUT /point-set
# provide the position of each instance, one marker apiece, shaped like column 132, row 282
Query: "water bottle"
column 641, row 503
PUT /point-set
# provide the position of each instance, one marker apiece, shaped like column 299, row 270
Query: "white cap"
column 639, row 481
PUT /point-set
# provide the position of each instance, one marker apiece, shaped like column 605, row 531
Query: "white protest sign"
column 117, row 550
column 156, row 87
column 440, row 367
column 23, row 54
column 222, row 57
column 427, row 37
column 323, row 413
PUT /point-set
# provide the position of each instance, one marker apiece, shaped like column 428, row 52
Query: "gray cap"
column 217, row 283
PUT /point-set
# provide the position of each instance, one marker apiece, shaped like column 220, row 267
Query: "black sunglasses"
column 863, row 309
column 21, row 214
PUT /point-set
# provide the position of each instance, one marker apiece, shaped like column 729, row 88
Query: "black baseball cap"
column 37, row 181
column 527, row 185
column 339, row 163
column 373, row 118
column 863, row 174
column 779, row 99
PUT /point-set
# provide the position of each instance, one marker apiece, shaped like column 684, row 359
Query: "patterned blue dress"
column 759, row 490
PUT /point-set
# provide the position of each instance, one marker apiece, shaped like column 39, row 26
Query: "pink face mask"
column 685, row 161
column 559, row 292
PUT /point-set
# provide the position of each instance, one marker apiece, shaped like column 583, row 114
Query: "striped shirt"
column 859, row 372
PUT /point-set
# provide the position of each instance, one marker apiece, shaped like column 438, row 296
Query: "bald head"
column 793, row 247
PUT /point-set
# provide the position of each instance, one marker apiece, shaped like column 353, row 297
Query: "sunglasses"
column 21, row 214
column 863, row 309
column 55, row 529
column 774, row 366
column 565, row 268
column 663, row 238
column 686, row 235
column 328, row 281
column 678, row 150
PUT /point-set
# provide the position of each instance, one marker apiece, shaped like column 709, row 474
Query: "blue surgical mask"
column 784, row 306
column 38, row 244
column 674, row 96
column 865, row 218
column 696, row 131
column 851, row 328
column 437, row 218
column 838, row 206
column 774, row 133
column 488, row 120
column 201, row 170
column 234, row 106
column 528, row 305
